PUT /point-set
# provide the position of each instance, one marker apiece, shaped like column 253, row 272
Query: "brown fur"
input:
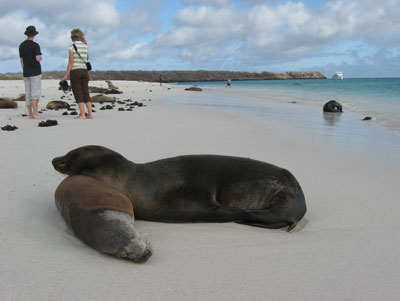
column 91, row 194
column 57, row 104
column 97, row 89
column 21, row 97
column 6, row 103
column 195, row 188
column 101, row 217
column 102, row 98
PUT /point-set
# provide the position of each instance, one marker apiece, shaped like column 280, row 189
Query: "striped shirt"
column 83, row 51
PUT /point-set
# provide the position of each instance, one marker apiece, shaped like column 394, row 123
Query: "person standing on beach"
column 78, row 56
column 30, row 57
column 161, row 80
column 228, row 83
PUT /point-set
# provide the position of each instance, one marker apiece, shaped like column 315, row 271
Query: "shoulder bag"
column 88, row 65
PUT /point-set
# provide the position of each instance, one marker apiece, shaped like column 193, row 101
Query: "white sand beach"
column 346, row 247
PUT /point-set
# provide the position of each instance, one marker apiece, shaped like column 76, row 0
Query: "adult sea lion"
column 101, row 217
column 195, row 188
column 102, row 98
column 7, row 103
column 194, row 89
column 93, row 89
column 20, row 97
column 111, row 85
column 113, row 91
column 333, row 106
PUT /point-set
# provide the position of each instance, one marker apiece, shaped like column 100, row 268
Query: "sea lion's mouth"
column 60, row 164
column 135, row 253
column 142, row 258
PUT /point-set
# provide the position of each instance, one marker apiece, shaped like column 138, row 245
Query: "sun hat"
column 30, row 31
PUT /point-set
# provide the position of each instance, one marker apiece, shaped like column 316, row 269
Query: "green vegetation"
column 10, row 77
column 179, row 76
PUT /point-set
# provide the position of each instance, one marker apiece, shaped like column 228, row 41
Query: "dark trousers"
column 80, row 85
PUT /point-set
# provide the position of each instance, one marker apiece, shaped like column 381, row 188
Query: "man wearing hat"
column 30, row 55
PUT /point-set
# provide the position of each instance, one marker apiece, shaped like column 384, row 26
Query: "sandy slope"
column 346, row 248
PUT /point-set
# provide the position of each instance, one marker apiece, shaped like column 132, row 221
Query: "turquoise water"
column 378, row 98
column 297, row 105
column 381, row 89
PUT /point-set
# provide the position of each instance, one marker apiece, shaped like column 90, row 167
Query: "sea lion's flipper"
column 273, row 226
column 270, row 226
column 217, row 215
column 270, row 218
column 292, row 226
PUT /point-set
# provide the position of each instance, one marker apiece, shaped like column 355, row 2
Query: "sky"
column 361, row 38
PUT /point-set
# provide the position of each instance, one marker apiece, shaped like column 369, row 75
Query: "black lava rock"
column 9, row 128
column 48, row 122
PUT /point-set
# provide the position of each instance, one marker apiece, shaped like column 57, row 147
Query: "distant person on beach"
column 30, row 56
column 228, row 83
column 161, row 80
column 78, row 55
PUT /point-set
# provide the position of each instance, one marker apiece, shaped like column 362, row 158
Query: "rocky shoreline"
column 179, row 75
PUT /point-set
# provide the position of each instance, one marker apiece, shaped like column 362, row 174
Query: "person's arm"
column 38, row 53
column 22, row 63
column 69, row 67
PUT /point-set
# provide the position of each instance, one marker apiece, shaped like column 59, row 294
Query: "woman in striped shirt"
column 79, row 73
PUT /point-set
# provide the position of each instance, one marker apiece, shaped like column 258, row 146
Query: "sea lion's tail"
column 286, row 215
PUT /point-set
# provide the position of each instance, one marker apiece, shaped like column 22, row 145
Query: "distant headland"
column 179, row 75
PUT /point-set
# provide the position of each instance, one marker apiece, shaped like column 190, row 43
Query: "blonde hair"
column 78, row 35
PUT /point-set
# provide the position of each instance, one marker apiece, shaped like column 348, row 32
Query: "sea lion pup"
column 57, row 104
column 195, row 188
column 101, row 217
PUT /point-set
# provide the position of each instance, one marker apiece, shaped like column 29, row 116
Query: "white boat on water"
column 337, row 75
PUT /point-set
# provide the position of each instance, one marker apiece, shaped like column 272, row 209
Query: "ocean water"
column 299, row 103
column 378, row 98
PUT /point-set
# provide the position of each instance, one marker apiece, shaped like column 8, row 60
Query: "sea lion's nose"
column 143, row 258
column 59, row 164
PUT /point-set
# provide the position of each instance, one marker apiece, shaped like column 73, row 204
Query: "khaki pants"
column 33, row 88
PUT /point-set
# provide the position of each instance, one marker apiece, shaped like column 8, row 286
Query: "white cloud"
column 182, row 36
column 209, row 2
column 203, row 27
column 207, row 17
column 240, row 34
column 8, row 52
column 268, row 34
column 90, row 14
column 138, row 50
column 14, row 25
